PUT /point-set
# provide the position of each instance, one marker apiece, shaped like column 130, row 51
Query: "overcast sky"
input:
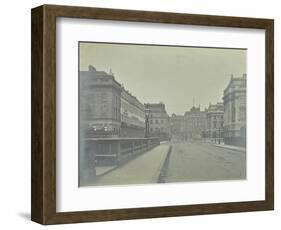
column 176, row 76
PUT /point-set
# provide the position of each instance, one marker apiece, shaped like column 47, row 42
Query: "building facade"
column 235, row 111
column 177, row 127
column 99, row 103
column 106, row 108
column 157, row 120
column 132, row 116
column 195, row 123
column 215, row 120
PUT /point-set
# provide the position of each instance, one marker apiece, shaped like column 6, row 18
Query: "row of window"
column 216, row 124
column 157, row 121
column 158, row 130
column 195, row 124
column 218, row 117
column 132, row 108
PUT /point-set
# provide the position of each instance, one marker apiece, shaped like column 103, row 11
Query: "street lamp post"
column 219, row 135
column 146, row 126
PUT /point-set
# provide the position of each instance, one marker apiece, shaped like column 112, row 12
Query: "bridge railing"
column 110, row 151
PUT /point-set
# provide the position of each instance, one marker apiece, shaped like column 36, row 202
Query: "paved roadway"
column 144, row 169
column 189, row 161
column 195, row 161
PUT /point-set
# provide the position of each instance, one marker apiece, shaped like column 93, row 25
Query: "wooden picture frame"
column 43, row 189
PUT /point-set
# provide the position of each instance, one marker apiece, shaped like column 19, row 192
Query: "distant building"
column 215, row 117
column 195, row 123
column 106, row 108
column 235, row 110
column 158, row 120
column 177, row 126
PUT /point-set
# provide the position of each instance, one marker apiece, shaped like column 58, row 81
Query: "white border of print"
column 72, row 198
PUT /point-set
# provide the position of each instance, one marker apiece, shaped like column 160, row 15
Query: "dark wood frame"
column 43, row 170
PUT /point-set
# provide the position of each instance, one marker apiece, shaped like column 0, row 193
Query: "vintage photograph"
column 161, row 114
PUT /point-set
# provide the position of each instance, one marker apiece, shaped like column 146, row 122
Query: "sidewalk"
column 100, row 170
column 231, row 147
column 141, row 170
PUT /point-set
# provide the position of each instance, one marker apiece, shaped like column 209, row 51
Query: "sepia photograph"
column 153, row 114
column 148, row 114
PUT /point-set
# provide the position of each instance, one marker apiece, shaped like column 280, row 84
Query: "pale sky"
column 173, row 75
